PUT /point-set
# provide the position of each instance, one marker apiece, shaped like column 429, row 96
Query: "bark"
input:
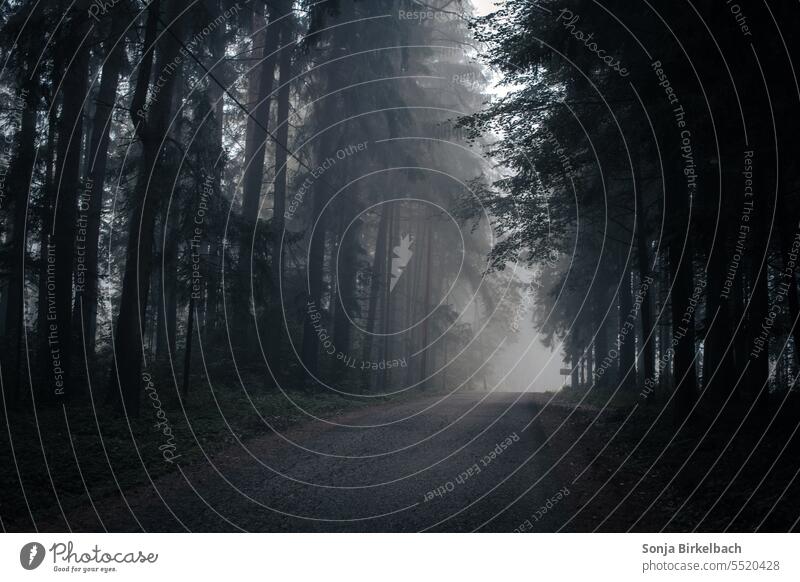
column 215, row 94
column 789, row 278
column 18, row 186
column 601, row 336
column 387, row 299
column 589, row 364
column 168, row 297
column 347, row 305
column 575, row 363
column 187, row 356
column 316, row 266
column 376, row 277
column 139, row 252
column 757, row 387
column 86, row 294
column 627, row 335
column 684, row 371
column 426, row 301
column 68, row 166
column 46, row 220
column 643, row 260
column 260, row 82
column 281, row 158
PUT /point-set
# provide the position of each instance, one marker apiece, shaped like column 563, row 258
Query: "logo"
column 401, row 255
column 31, row 555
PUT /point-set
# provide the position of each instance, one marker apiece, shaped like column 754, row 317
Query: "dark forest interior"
column 394, row 265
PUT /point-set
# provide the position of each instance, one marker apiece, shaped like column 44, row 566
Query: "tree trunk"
column 18, row 184
column 387, row 299
column 260, row 82
column 216, row 162
column 589, row 364
column 167, row 300
column 315, row 268
column 348, row 304
column 68, row 167
column 376, row 277
column 426, row 305
column 279, row 203
column 601, row 335
column 788, row 277
column 643, row 260
column 683, row 332
column 627, row 334
column 187, row 357
column 86, row 292
column 757, row 386
column 575, row 364
column 139, row 252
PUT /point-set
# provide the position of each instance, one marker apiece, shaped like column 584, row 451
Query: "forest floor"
column 58, row 459
column 461, row 462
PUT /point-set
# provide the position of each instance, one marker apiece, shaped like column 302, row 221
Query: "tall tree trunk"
column 260, row 82
column 316, row 263
column 575, row 364
column 18, row 184
column 643, row 260
column 68, row 166
column 683, row 332
column 168, row 299
column 588, row 354
column 86, row 292
column 426, row 305
column 627, row 334
column 717, row 328
column 216, row 161
column 348, row 303
column 139, row 252
column 598, row 306
column 387, row 299
column 46, row 220
column 789, row 278
column 187, row 355
column 279, row 203
column 757, row 387
column 376, row 276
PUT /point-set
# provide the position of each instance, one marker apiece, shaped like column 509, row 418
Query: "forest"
column 279, row 264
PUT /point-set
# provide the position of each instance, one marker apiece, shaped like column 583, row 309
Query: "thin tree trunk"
column 589, row 364
column 375, row 280
column 187, row 357
column 789, row 278
column 643, row 260
column 601, row 335
column 683, row 332
column 279, row 203
column 758, row 371
column 574, row 362
column 426, row 297
column 627, row 334
column 387, row 298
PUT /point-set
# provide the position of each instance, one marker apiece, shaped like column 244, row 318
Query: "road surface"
column 465, row 462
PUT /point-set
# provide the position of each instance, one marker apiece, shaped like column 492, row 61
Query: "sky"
column 484, row 6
